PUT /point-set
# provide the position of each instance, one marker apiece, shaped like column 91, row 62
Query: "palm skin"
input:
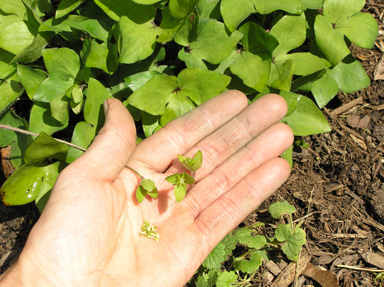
column 88, row 234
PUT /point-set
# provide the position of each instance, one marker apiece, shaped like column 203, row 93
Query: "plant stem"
column 36, row 135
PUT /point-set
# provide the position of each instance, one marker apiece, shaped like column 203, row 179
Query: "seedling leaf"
column 225, row 279
column 251, row 265
column 216, row 257
column 192, row 164
column 292, row 240
column 245, row 237
column 277, row 209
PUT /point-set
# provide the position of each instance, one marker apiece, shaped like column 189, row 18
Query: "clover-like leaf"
column 245, row 236
column 192, row 164
column 226, row 278
column 279, row 208
column 251, row 265
column 292, row 240
column 147, row 186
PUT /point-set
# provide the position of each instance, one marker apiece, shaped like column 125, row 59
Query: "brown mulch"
column 337, row 186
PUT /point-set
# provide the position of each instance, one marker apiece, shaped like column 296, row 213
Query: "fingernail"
column 105, row 105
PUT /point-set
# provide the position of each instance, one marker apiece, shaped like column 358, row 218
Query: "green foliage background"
column 162, row 58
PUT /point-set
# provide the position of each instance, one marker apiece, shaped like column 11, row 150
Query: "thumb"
column 113, row 146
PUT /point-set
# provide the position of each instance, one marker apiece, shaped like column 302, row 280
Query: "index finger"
column 177, row 137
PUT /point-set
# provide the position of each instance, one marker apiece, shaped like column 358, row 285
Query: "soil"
column 336, row 184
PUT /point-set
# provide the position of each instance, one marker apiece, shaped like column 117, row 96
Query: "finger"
column 235, row 134
column 161, row 149
column 270, row 144
column 112, row 147
column 233, row 207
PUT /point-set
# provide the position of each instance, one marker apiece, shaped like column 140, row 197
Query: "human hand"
column 88, row 234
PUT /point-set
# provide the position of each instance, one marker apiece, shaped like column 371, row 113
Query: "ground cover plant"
column 162, row 59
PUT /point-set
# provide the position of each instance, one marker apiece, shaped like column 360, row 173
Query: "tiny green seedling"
column 149, row 231
column 147, row 186
column 180, row 181
column 192, row 164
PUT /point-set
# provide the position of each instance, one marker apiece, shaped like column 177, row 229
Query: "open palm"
column 88, row 234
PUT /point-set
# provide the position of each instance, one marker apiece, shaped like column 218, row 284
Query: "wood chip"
column 6, row 162
column 324, row 278
column 287, row 276
column 373, row 258
column 379, row 70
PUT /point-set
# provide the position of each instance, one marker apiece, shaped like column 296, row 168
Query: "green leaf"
column 281, row 75
column 229, row 242
column 18, row 141
column 61, row 62
column 192, row 164
column 361, row 29
column 15, row 37
column 191, row 84
column 41, row 120
column 207, row 279
column 290, row 32
column 47, row 185
column 150, row 123
column 182, row 8
column 180, row 192
column 292, row 240
column 146, row 2
column 118, row 8
column 267, row 7
column 312, row 4
column 257, row 41
column 278, row 208
column 209, row 8
column 60, row 109
column 306, row 118
column 93, row 107
column 339, row 10
column 90, row 26
column 169, row 26
column 226, row 279
column 254, row 70
column 324, row 90
column 201, row 85
column 243, row 10
column 147, row 186
column 189, row 31
column 216, row 257
column 205, row 47
column 245, row 236
column 154, row 95
column 10, row 90
column 178, row 105
column 138, row 41
column 253, row 264
column 103, row 56
column 138, row 80
column 30, row 78
column 82, row 136
column 305, row 63
column 52, row 87
column 67, row 6
column 23, row 186
column 13, row 7
column 350, row 76
column 33, row 51
column 45, row 147
column 330, row 42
